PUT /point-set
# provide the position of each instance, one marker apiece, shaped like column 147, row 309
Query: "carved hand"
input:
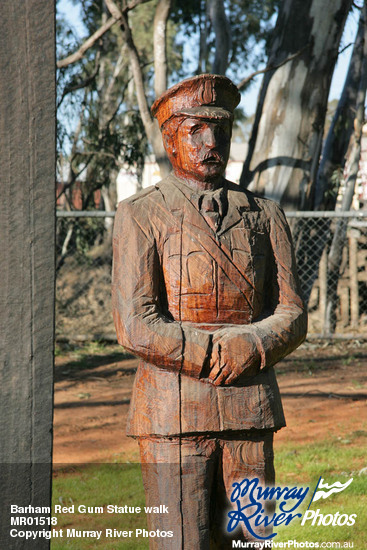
column 234, row 354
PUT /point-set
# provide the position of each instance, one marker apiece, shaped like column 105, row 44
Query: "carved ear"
column 173, row 150
column 169, row 142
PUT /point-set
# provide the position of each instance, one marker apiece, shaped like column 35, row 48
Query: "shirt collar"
column 195, row 195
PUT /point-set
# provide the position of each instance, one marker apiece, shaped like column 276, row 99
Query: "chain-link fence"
column 331, row 252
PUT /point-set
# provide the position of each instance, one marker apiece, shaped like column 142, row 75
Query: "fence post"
column 27, row 235
column 353, row 270
column 323, row 289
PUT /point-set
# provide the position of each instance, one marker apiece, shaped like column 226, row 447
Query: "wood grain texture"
column 204, row 470
column 27, row 203
column 205, row 291
column 175, row 294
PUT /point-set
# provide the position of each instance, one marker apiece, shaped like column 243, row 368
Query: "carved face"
column 198, row 148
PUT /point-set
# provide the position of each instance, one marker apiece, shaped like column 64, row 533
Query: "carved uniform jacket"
column 176, row 280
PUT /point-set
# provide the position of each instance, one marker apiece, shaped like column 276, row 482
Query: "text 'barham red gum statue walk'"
column 205, row 292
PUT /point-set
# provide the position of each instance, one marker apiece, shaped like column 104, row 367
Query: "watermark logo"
column 323, row 490
column 250, row 500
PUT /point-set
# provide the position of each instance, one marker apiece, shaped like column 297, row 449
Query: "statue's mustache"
column 211, row 156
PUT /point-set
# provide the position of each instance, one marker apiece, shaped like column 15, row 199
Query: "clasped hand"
column 234, row 354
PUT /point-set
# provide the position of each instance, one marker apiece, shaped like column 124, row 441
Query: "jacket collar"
column 238, row 202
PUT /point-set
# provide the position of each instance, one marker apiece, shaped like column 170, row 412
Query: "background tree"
column 126, row 54
column 330, row 173
column 285, row 145
column 337, row 244
column 334, row 152
column 101, row 128
column 135, row 49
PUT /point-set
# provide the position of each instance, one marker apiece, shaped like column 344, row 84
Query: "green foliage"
column 251, row 23
column 100, row 128
column 141, row 20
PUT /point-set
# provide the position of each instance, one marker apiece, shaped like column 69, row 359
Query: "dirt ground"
column 323, row 387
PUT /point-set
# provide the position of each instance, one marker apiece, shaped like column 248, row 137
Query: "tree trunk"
column 160, row 79
column 337, row 245
column 312, row 243
column 285, row 145
column 160, row 46
column 203, row 38
column 222, row 31
column 340, row 132
column 27, row 259
column 151, row 126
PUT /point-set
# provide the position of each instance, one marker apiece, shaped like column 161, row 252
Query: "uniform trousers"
column 193, row 477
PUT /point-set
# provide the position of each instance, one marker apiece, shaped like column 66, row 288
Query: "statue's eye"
column 195, row 129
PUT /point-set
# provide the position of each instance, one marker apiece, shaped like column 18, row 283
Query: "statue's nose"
column 209, row 138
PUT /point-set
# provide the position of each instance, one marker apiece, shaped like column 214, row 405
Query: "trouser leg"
column 193, row 476
column 179, row 474
column 251, row 457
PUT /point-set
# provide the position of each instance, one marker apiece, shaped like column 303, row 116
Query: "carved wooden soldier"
column 205, row 292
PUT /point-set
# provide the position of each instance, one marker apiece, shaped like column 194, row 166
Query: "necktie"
column 211, row 208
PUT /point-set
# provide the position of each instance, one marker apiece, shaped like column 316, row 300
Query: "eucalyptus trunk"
column 223, row 39
column 337, row 245
column 285, row 145
column 311, row 244
column 340, row 131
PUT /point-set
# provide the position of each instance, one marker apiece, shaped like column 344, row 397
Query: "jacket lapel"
column 174, row 194
column 237, row 200
column 238, row 205
column 196, row 226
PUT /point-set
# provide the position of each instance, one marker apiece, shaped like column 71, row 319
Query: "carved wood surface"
column 205, row 291
column 171, row 298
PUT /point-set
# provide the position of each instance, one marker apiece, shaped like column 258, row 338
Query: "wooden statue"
column 205, row 292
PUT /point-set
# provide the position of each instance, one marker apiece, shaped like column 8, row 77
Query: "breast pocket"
column 199, row 273
column 250, row 252
column 188, row 269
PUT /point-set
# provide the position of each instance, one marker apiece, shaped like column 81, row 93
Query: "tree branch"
column 83, row 84
column 246, row 80
column 72, row 176
column 150, row 126
column 113, row 9
column 100, row 154
column 111, row 84
column 133, row 5
column 117, row 13
column 87, row 44
column 135, row 65
column 345, row 48
column 116, row 16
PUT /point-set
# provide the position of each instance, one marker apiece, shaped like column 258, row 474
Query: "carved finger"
column 248, row 371
column 215, row 366
column 222, row 376
column 231, row 378
column 214, row 372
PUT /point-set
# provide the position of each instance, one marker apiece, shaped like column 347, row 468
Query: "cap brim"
column 205, row 111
